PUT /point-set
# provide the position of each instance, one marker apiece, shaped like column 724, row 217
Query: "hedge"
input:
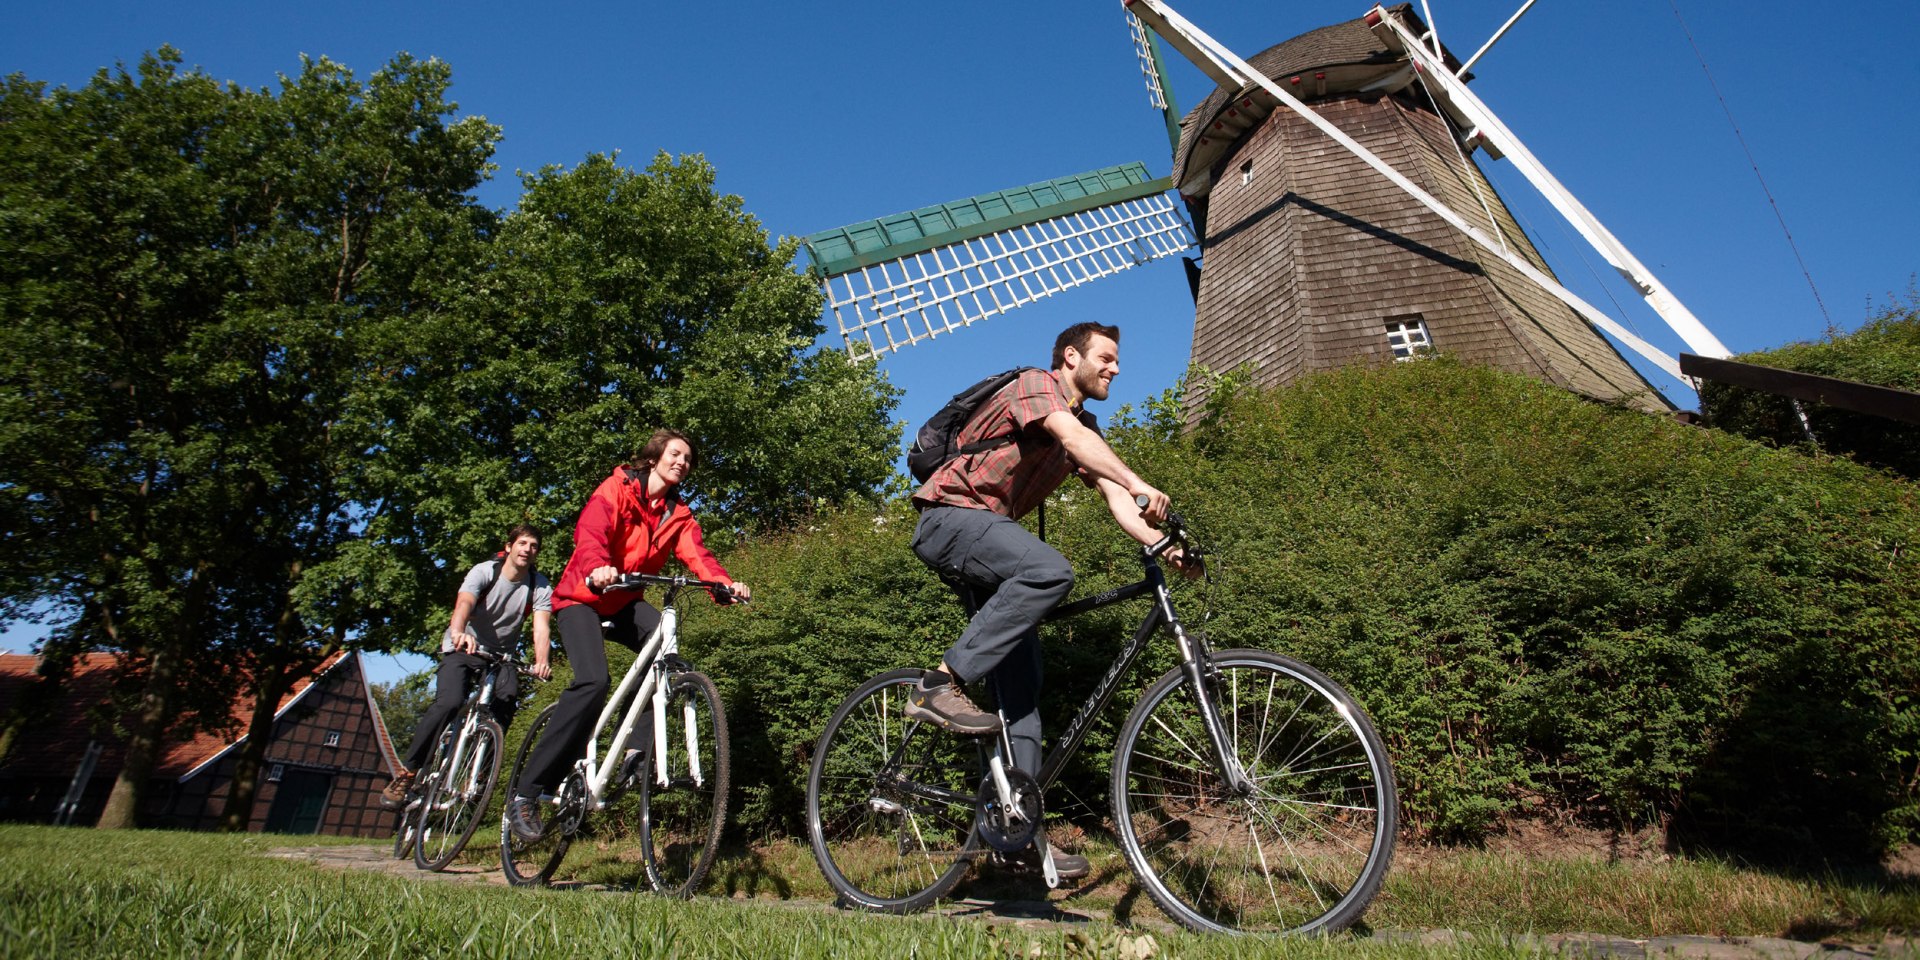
column 1552, row 608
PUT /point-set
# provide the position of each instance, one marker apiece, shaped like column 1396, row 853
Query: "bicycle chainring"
column 572, row 807
column 998, row 829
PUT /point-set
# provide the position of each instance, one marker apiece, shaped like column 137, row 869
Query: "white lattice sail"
column 911, row 277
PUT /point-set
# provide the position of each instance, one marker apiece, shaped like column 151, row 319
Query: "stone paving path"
column 1046, row 914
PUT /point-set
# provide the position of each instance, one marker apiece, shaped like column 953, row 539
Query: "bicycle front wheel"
column 455, row 800
column 533, row 863
column 681, row 820
column 890, row 801
column 1306, row 850
column 406, row 823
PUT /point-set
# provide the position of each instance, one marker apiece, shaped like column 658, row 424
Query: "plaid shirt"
column 1013, row 478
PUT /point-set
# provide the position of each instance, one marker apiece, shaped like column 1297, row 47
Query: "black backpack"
column 934, row 444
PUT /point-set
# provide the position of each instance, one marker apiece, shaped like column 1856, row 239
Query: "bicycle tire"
column 883, row 843
column 523, row 863
column 1305, row 852
column 455, row 801
column 680, row 824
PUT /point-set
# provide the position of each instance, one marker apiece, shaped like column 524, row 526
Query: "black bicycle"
column 456, row 785
column 1250, row 793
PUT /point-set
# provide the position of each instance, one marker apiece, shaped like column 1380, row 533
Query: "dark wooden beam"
column 1890, row 402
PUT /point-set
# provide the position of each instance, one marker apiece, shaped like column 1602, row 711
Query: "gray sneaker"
column 523, row 820
column 948, row 707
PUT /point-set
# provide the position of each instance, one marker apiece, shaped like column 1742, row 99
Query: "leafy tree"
column 402, row 703
column 615, row 301
column 272, row 379
column 185, row 272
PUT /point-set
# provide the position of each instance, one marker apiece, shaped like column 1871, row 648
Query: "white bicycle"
column 655, row 767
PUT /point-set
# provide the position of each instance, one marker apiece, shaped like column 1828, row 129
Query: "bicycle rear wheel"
column 455, row 799
column 890, row 801
column 680, row 822
column 1306, row 850
column 533, row 863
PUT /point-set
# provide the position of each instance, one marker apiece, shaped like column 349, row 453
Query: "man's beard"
column 1090, row 384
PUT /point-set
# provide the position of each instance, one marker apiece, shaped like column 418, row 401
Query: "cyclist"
column 631, row 524
column 503, row 591
column 968, row 532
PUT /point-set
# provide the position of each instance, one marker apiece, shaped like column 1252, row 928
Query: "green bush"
column 1551, row 607
column 1884, row 352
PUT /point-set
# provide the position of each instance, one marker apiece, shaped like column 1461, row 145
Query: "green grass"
column 1429, row 888
column 76, row 892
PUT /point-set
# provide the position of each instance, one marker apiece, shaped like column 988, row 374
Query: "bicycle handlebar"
column 519, row 666
column 722, row 593
column 1177, row 534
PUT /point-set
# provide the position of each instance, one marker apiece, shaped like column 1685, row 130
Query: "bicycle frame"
column 644, row 682
column 1194, row 658
column 470, row 714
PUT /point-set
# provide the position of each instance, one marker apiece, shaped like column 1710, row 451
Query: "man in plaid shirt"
column 968, row 532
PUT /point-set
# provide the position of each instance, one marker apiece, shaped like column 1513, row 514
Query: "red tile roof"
column 53, row 747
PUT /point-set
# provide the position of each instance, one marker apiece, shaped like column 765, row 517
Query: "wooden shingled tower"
column 1313, row 261
column 1340, row 214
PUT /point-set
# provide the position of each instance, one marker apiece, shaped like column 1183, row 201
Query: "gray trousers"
column 1013, row 579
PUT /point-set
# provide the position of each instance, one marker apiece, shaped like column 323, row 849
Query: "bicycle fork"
column 689, row 723
column 1196, row 660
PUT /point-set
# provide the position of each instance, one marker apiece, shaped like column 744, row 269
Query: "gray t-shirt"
column 496, row 618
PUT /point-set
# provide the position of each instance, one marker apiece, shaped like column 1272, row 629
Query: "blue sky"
column 818, row 115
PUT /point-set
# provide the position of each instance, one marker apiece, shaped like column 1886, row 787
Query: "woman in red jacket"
column 631, row 524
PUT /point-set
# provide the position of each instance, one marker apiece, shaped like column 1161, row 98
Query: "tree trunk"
column 271, row 684
column 146, row 726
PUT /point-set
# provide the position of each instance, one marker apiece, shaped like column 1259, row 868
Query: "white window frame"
column 1408, row 337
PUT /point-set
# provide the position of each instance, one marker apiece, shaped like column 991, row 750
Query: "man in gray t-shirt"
column 496, row 600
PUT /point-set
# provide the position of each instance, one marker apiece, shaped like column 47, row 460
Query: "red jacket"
column 619, row 529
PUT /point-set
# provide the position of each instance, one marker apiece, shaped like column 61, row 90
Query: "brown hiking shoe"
column 1069, row 866
column 395, row 795
column 947, row 707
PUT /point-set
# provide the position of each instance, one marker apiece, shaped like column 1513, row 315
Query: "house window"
column 275, row 772
column 333, row 738
column 1246, row 173
column 1408, row 338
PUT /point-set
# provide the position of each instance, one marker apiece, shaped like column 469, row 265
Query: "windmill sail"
column 913, row 276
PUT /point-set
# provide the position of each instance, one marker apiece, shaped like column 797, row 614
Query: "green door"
column 301, row 799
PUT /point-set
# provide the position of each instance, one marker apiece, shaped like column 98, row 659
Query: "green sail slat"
column 868, row 242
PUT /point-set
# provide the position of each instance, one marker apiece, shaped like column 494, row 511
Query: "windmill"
column 1340, row 214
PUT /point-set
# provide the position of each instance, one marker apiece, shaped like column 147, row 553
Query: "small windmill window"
column 275, row 772
column 1408, row 337
column 333, row 738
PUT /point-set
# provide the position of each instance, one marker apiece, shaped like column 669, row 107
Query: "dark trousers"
column 451, row 684
column 1014, row 579
column 581, row 635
